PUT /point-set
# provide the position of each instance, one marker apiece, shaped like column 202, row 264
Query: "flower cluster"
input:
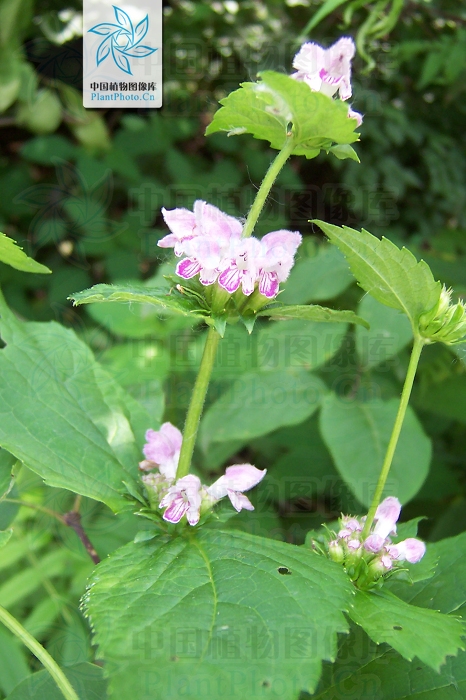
column 368, row 559
column 214, row 249
column 446, row 322
column 327, row 70
column 188, row 496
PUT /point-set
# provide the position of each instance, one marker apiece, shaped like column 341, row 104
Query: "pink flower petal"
column 239, row 501
column 268, row 284
column 230, row 278
column 181, row 222
column 213, row 221
column 188, row 268
column 172, row 433
column 386, row 561
column 355, row 115
column 411, row 550
column 326, row 70
column 207, row 276
column 374, row 543
column 176, row 510
column 169, row 241
column 386, row 516
column 242, row 477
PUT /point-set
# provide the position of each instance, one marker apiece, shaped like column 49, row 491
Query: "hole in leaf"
column 397, row 627
column 284, row 570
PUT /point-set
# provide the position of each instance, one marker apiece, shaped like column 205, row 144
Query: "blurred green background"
column 81, row 191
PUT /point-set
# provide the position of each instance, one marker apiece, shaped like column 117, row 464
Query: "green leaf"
column 137, row 293
column 136, row 362
column 391, row 275
column 87, row 680
column 12, row 254
column 13, row 664
column 446, row 590
column 257, row 403
column 344, row 151
column 267, row 108
column 324, row 10
column 444, row 398
column 213, row 615
column 389, row 333
column 63, row 415
column 276, row 346
column 357, row 435
column 411, row 631
column 283, row 312
column 324, row 276
column 390, row 677
column 4, row 537
column 7, row 462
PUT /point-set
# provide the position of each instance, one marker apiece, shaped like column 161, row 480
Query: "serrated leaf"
column 446, row 589
column 357, row 435
column 411, row 631
column 259, row 402
column 87, row 680
column 268, row 108
column 137, row 293
column 283, row 312
column 390, row 677
column 219, row 614
column 63, row 415
column 391, row 275
column 12, row 254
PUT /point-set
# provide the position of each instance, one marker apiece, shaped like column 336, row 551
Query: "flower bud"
column 445, row 322
column 336, row 552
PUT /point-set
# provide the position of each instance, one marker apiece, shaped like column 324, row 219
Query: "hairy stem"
column 196, row 404
column 40, row 653
column 406, row 393
column 266, row 186
column 73, row 520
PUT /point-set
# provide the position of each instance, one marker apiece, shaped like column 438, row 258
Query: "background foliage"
column 82, row 191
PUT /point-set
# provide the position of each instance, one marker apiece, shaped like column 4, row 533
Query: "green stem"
column 40, row 653
column 266, row 186
column 197, row 403
column 406, row 393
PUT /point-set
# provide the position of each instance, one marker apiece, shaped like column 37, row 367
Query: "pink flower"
column 386, row 517
column 183, row 226
column 241, row 268
column 326, row 70
column 374, row 543
column 237, row 478
column 183, row 498
column 205, row 235
column 162, row 450
column 411, row 550
column 276, row 260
